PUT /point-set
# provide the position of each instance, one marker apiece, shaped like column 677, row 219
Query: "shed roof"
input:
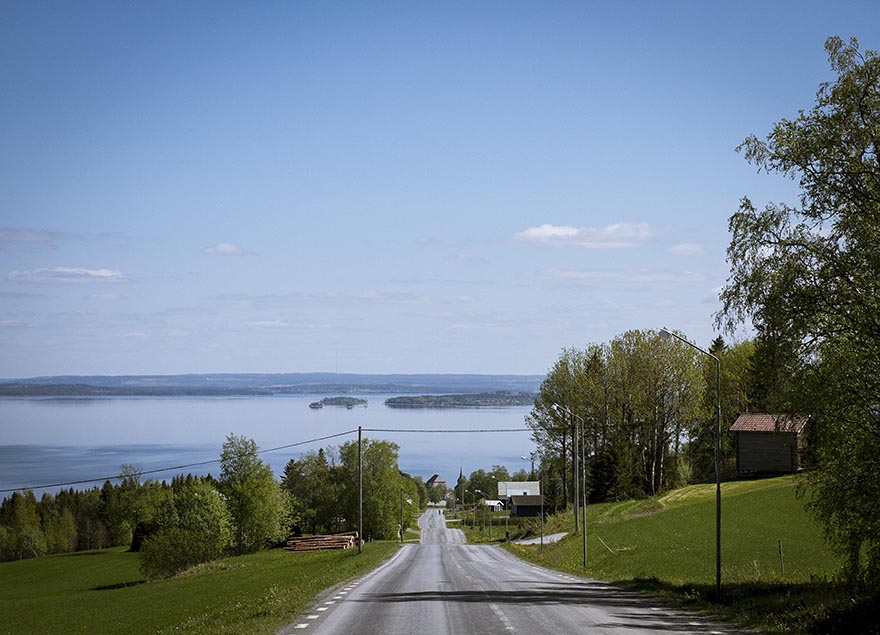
column 760, row 422
column 526, row 500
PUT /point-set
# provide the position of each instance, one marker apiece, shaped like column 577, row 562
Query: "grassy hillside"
column 666, row 546
column 104, row 592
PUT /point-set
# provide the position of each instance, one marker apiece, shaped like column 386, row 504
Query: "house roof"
column 759, row 422
column 526, row 500
column 516, row 488
column 435, row 480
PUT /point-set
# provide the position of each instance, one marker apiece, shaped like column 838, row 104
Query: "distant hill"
column 232, row 384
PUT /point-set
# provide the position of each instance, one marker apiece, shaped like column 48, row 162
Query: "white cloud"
column 225, row 249
column 687, row 249
column 614, row 236
column 66, row 275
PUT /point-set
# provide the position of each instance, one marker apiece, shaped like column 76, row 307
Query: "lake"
column 54, row 440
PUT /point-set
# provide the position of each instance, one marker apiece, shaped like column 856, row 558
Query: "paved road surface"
column 445, row 586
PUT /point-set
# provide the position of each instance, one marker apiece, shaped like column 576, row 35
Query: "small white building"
column 494, row 505
column 506, row 489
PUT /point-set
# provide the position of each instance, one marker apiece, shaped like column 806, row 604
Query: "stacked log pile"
column 315, row 543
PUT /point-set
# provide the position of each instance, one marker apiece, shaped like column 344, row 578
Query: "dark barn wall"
column 768, row 452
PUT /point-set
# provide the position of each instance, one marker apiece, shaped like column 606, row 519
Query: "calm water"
column 45, row 441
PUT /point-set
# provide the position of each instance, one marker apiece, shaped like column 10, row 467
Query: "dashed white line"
column 501, row 616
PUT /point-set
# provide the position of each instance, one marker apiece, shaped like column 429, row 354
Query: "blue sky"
column 380, row 187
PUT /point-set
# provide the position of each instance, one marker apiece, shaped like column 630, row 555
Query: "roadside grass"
column 666, row 546
column 104, row 592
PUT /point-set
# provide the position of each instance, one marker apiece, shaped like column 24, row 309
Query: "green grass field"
column 666, row 546
column 104, row 592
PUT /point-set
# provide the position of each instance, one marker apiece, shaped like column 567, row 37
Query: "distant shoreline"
column 476, row 400
column 267, row 385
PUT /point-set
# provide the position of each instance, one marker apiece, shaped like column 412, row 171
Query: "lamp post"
column 530, row 457
column 667, row 334
column 557, row 408
column 577, row 487
column 541, row 492
column 482, row 493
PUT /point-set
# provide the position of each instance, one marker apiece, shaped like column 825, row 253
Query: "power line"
column 170, row 469
column 472, row 430
column 186, row 466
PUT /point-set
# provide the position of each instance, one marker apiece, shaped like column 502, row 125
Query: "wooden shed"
column 769, row 443
column 522, row 506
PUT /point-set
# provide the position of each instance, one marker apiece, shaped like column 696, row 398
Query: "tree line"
column 643, row 411
column 195, row 519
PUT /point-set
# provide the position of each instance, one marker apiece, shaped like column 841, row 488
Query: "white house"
column 506, row 489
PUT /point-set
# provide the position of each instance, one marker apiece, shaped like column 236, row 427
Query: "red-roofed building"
column 769, row 443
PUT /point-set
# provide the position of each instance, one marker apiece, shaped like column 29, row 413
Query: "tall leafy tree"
column 259, row 509
column 314, row 481
column 807, row 275
column 382, row 484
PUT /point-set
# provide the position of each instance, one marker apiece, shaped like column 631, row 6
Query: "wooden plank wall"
column 766, row 452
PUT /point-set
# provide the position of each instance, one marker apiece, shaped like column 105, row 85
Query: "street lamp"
column 557, row 408
column 666, row 334
column 577, row 458
column 531, row 458
column 474, row 519
column 482, row 493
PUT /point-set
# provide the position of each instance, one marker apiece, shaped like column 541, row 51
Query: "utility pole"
column 360, row 494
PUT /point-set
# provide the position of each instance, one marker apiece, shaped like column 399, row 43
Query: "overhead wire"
column 117, row 477
column 186, row 466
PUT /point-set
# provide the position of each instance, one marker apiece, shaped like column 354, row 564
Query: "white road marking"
column 501, row 616
column 301, row 626
column 312, row 617
column 323, row 608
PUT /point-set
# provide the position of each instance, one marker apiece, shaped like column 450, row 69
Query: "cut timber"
column 315, row 543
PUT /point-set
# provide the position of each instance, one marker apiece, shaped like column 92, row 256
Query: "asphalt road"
column 445, row 586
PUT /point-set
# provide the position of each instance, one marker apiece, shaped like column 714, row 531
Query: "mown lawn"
column 666, row 546
column 104, row 592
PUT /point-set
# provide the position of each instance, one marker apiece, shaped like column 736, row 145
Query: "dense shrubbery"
column 195, row 528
